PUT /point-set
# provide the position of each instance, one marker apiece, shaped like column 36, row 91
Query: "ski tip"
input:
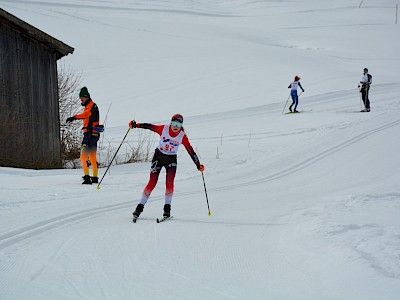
column 158, row 221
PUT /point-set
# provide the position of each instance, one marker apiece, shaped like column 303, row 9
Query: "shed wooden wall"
column 29, row 110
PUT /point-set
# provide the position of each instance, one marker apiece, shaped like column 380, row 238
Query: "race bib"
column 170, row 145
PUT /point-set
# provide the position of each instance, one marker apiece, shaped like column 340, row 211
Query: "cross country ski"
column 163, row 219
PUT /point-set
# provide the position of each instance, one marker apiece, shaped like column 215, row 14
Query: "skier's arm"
column 85, row 114
column 301, row 87
column 193, row 155
column 152, row 127
column 156, row 128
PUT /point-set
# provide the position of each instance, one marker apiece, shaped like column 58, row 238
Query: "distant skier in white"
column 293, row 92
column 366, row 81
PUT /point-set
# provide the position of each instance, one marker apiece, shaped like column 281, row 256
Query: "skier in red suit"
column 171, row 137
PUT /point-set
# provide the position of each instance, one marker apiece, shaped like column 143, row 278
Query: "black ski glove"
column 70, row 119
column 132, row 124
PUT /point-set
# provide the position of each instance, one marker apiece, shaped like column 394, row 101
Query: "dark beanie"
column 84, row 92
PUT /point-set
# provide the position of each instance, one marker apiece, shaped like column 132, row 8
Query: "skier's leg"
column 138, row 210
column 367, row 98
column 293, row 94
column 296, row 100
column 363, row 96
column 169, row 188
column 84, row 157
column 169, row 182
column 154, row 173
column 92, row 149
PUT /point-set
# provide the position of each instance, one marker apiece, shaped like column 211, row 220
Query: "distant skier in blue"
column 293, row 92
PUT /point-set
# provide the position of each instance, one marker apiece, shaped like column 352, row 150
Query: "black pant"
column 90, row 140
column 169, row 162
column 364, row 95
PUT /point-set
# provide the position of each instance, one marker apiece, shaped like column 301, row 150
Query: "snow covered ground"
column 304, row 206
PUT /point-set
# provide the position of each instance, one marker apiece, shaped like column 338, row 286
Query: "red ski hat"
column 177, row 117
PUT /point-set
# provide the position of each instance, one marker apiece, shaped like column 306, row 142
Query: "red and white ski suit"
column 166, row 156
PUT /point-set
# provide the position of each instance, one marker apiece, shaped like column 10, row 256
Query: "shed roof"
column 35, row 34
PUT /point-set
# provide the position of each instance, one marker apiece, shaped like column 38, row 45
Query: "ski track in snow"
column 21, row 237
column 167, row 9
column 312, row 160
column 27, row 232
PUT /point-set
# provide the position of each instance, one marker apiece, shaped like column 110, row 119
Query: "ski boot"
column 86, row 180
column 95, row 179
column 167, row 211
column 137, row 212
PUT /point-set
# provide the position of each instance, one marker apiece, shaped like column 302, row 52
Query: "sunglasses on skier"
column 175, row 123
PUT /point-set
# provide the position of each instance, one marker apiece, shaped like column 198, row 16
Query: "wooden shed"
column 29, row 109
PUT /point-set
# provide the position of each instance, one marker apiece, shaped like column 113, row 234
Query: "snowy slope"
column 303, row 206
column 198, row 57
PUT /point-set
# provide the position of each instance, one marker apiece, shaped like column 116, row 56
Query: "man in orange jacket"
column 90, row 117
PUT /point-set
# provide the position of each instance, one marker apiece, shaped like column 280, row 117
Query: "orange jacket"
column 90, row 116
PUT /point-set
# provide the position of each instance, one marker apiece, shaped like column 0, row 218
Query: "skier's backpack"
column 369, row 78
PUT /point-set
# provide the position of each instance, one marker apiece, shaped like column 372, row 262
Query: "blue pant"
column 295, row 99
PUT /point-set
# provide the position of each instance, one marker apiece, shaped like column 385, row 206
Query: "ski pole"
column 286, row 104
column 105, row 123
column 98, row 186
column 205, row 190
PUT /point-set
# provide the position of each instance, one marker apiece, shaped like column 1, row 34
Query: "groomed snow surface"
column 304, row 206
